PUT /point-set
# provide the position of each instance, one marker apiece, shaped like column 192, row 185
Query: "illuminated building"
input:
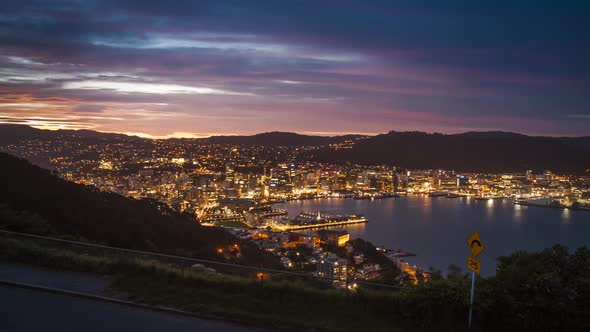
column 333, row 238
column 333, row 267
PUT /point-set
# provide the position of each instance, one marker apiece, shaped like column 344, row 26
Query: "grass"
column 279, row 302
column 277, row 305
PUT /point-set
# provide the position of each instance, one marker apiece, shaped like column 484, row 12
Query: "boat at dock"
column 489, row 198
column 307, row 220
column 456, row 195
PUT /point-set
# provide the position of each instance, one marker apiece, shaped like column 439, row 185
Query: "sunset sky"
column 200, row 68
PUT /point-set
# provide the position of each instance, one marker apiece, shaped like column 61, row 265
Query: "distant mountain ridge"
column 11, row 133
column 492, row 134
column 470, row 151
column 280, row 138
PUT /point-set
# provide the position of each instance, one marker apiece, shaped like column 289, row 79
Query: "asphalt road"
column 66, row 280
column 24, row 310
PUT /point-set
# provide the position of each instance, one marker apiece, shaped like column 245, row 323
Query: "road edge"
column 89, row 296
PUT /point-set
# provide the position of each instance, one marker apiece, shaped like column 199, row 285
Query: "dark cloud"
column 464, row 61
column 84, row 108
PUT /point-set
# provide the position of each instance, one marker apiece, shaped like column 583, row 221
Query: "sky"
column 199, row 68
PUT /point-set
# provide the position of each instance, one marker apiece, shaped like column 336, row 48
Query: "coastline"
column 515, row 201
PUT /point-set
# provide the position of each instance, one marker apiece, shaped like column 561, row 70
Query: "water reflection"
column 426, row 209
column 517, row 215
column 490, row 209
column 565, row 216
column 357, row 229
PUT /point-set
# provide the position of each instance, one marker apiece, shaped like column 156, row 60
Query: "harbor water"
column 436, row 228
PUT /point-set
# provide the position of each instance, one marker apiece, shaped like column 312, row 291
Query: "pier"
column 359, row 220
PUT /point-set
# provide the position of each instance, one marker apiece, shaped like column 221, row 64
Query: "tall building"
column 319, row 182
column 229, row 175
column 333, row 267
column 394, row 182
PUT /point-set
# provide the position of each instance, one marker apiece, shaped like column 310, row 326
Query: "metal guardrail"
column 182, row 261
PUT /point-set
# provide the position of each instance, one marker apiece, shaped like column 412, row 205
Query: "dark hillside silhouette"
column 473, row 151
column 86, row 213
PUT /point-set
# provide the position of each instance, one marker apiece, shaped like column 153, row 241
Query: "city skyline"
column 264, row 165
column 209, row 68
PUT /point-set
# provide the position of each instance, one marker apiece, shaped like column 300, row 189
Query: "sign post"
column 476, row 247
column 471, row 299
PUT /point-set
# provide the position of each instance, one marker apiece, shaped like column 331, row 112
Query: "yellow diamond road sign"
column 473, row 265
column 475, row 244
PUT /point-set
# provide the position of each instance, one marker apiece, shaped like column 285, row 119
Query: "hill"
column 11, row 134
column 493, row 151
column 277, row 138
column 473, row 151
column 84, row 212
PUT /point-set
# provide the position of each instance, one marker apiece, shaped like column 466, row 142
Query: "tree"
column 454, row 271
column 435, row 274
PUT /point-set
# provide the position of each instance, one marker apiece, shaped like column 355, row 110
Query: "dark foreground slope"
column 84, row 212
column 475, row 151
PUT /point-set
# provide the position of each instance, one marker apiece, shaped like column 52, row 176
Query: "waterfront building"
column 333, row 238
